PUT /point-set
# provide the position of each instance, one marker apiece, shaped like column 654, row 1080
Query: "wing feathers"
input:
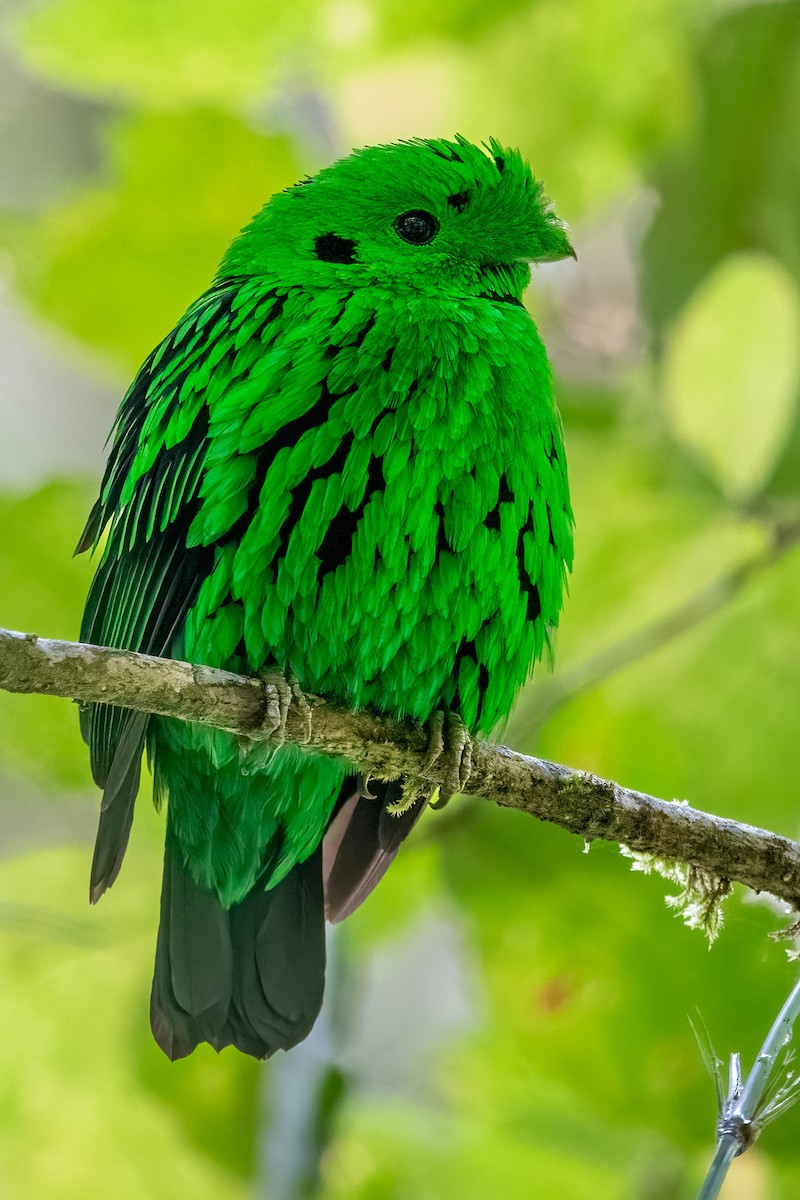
column 116, row 811
column 145, row 583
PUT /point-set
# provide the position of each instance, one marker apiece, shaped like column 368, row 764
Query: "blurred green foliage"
column 666, row 133
column 42, row 589
column 163, row 54
column 181, row 185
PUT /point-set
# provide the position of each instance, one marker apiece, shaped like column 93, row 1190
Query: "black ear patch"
column 331, row 248
column 458, row 201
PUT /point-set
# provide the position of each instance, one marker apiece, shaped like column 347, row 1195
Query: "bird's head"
column 422, row 214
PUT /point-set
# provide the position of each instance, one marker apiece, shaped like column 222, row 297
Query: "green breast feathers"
column 343, row 470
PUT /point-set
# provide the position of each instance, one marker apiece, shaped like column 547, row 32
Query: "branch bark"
column 384, row 747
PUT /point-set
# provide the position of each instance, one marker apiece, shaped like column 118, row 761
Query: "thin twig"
column 387, row 748
column 743, row 1111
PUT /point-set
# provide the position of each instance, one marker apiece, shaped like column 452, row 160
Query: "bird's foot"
column 449, row 755
column 280, row 695
column 304, row 708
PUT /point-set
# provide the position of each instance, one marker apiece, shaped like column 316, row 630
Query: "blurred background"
column 507, row 1015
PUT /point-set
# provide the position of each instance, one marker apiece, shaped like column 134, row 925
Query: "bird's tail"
column 251, row 976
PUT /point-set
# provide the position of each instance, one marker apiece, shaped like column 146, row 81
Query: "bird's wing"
column 148, row 574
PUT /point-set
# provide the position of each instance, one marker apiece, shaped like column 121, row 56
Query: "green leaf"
column 734, row 185
column 169, row 54
column 732, row 370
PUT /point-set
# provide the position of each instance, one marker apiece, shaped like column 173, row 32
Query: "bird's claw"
column 435, row 728
column 279, row 698
column 278, row 701
column 448, row 758
column 304, row 707
column 449, row 750
column 363, row 787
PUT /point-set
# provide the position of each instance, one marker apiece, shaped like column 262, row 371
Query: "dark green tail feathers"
column 250, row 977
column 253, row 976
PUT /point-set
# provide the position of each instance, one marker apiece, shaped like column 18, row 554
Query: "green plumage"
column 345, row 459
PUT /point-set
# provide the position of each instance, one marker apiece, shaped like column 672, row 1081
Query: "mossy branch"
column 384, row 747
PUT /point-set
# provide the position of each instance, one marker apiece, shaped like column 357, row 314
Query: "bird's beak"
column 553, row 246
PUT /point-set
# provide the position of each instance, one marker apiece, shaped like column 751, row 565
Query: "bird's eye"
column 417, row 227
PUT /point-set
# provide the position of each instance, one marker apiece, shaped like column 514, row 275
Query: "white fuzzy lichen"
column 699, row 901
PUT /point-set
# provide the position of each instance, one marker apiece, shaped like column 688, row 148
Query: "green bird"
column 345, row 460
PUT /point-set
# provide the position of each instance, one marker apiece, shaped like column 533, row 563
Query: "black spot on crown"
column 458, row 201
column 330, row 247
